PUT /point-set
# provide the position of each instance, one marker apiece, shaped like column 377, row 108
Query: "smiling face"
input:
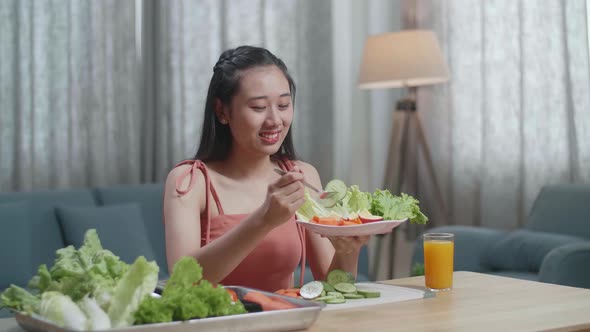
column 261, row 112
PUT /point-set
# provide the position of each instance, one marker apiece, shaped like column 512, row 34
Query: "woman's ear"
column 220, row 112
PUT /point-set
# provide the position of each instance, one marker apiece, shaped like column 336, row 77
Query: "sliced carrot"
column 333, row 221
column 292, row 290
column 291, row 294
column 232, row 294
column 267, row 303
column 284, row 302
column 257, row 297
column 280, row 291
column 349, row 223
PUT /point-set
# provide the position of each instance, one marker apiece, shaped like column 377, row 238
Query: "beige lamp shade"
column 406, row 58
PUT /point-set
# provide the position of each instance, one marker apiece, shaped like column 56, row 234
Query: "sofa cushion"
column 15, row 244
column 150, row 198
column 562, row 209
column 524, row 250
column 119, row 227
column 47, row 238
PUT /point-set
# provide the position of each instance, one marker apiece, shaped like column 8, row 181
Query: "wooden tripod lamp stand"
column 405, row 59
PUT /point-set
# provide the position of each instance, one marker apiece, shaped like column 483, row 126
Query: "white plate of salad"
column 356, row 213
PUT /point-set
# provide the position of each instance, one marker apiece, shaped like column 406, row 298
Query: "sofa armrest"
column 567, row 265
column 470, row 246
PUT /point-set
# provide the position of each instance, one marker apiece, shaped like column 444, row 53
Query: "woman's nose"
column 273, row 115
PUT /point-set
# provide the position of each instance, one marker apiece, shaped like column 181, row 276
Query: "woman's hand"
column 283, row 198
column 348, row 245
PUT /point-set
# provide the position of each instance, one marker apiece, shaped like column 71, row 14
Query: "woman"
column 230, row 195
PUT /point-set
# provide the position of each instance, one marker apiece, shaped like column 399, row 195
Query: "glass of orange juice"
column 438, row 260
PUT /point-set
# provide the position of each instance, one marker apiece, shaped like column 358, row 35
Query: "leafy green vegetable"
column 60, row 309
column 357, row 200
column 83, row 285
column 154, row 310
column 397, row 207
column 137, row 283
column 97, row 319
column 186, row 296
column 19, row 299
column 417, row 270
column 310, row 208
column 380, row 203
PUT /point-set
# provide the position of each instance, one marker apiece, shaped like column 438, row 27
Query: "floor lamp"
column 405, row 59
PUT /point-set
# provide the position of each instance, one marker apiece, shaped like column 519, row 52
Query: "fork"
column 324, row 195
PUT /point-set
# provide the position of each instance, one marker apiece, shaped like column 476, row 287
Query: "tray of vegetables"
column 91, row 289
column 355, row 213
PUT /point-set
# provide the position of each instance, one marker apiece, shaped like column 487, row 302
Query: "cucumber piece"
column 344, row 287
column 323, row 292
column 336, row 295
column 337, row 276
column 328, row 287
column 340, row 190
column 311, row 290
column 369, row 293
column 353, row 296
column 335, row 301
column 324, row 298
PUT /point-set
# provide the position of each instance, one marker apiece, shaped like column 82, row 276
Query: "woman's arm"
column 321, row 252
column 220, row 257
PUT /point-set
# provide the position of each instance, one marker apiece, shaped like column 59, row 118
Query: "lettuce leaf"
column 187, row 296
column 61, row 310
column 19, row 299
column 311, row 208
column 137, row 283
column 356, row 200
column 396, row 207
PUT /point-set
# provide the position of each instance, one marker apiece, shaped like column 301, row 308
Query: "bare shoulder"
column 180, row 178
column 310, row 172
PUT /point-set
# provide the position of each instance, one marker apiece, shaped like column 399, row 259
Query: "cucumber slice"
column 311, row 290
column 369, row 293
column 328, row 287
column 352, row 296
column 323, row 292
column 325, row 298
column 337, row 186
column 335, row 301
column 344, row 287
column 336, row 295
column 337, row 276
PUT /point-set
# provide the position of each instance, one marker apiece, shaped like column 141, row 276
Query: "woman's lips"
column 270, row 137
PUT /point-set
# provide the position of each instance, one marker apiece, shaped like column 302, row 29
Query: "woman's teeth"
column 269, row 135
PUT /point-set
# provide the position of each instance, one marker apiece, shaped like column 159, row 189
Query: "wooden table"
column 478, row 302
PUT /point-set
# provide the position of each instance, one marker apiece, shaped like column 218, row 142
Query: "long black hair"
column 216, row 138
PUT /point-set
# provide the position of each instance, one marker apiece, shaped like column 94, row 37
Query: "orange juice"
column 438, row 263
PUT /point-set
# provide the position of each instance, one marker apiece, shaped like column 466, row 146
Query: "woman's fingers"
column 348, row 244
column 288, row 178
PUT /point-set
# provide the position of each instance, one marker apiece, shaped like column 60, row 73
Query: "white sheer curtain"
column 69, row 96
column 516, row 113
column 81, row 105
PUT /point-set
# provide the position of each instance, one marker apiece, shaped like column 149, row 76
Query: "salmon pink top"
column 271, row 264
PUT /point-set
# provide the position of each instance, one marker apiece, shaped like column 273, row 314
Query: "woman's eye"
column 284, row 106
column 258, row 108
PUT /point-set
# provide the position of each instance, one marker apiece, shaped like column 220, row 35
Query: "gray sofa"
column 128, row 219
column 553, row 246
